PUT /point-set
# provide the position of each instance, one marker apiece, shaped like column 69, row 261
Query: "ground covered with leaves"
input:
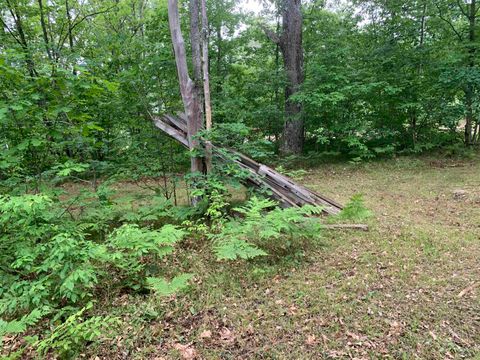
column 407, row 288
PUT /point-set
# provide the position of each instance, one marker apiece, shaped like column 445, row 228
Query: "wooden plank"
column 182, row 118
column 303, row 194
column 308, row 195
column 362, row 227
column 283, row 189
column 177, row 135
column 182, row 126
column 288, row 191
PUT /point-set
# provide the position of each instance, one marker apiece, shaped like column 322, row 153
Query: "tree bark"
column 22, row 40
column 44, row 29
column 290, row 42
column 469, row 92
column 206, row 84
column 188, row 90
column 195, row 41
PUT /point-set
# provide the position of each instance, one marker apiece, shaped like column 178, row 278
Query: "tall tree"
column 290, row 42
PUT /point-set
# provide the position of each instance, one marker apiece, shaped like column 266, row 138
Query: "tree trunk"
column 290, row 42
column 44, row 29
column 206, row 83
column 291, row 46
column 469, row 93
column 22, row 40
column 188, row 90
column 195, row 41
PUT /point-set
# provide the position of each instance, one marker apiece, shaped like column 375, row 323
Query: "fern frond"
column 236, row 248
column 164, row 288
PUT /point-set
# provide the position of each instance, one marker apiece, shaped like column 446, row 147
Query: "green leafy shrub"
column 162, row 287
column 131, row 248
column 354, row 210
column 68, row 338
column 19, row 326
column 49, row 262
column 259, row 226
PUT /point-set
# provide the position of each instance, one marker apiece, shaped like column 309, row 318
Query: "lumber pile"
column 283, row 189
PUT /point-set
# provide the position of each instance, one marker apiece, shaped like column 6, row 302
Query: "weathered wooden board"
column 283, row 189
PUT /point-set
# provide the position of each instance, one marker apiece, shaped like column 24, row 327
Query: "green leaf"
column 236, row 248
column 164, row 288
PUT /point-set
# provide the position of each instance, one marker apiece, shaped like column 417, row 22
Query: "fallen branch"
column 362, row 227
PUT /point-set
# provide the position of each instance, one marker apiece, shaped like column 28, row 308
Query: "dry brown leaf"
column 354, row 336
column 206, row 334
column 467, row 290
column 186, row 351
column 311, row 340
column 227, row 335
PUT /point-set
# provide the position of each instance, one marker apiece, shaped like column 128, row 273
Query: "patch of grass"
column 399, row 291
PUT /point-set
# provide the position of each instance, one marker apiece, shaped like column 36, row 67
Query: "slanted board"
column 283, row 189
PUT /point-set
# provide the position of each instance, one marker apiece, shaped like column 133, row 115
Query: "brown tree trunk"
column 188, row 90
column 44, row 29
column 469, row 93
column 290, row 42
column 22, row 40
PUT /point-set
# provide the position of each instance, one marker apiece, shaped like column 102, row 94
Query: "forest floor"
column 408, row 288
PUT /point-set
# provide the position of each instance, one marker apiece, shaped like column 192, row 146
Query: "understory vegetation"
column 63, row 254
column 117, row 243
column 130, row 273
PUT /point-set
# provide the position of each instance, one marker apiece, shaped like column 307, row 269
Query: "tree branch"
column 464, row 12
column 92, row 14
column 449, row 23
column 270, row 34
column 11, row 32
column 76, row 23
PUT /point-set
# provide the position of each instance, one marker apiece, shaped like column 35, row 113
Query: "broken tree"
column 281, row 188
column 188, row 89
column 185, row 127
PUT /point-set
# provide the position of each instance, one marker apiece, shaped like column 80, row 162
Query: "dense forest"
column 113, row 236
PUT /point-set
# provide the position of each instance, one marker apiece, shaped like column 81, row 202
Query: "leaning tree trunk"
column 290, row 42
column 188, row 89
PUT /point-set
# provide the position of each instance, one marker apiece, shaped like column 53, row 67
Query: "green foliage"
column 69, row 167
column 164, row 288
column 381, row 78
column 241, row 137
column 130, row 248
column 297, row 174
column 276, row 230
column 354, row 210
column 50, row 263
column 70, row 337
column 20, row 326
column 234, row 248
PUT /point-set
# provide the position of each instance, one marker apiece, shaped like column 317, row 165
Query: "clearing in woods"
column 408, row 288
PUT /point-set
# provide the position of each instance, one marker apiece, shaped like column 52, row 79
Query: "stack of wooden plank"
column 281, row 188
